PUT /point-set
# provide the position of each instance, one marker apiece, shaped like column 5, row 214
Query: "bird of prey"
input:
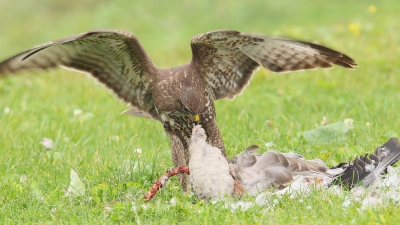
column 211, row 176
column 222, row 65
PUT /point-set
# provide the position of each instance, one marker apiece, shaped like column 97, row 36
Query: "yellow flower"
column 372, row 8
column 355, row 28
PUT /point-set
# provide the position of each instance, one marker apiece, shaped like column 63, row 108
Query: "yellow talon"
column 196, row 118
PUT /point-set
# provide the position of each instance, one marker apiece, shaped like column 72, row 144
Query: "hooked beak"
column 194, row 118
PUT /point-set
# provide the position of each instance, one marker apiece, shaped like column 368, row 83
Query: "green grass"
column 42, row 105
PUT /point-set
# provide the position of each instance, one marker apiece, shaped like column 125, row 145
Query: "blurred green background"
column 165, row 27
column 41, row 104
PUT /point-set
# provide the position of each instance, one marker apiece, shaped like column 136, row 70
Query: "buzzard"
column 222, row 65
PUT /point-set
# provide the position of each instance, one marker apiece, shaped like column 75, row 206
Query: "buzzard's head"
column 180, row 100
column 192, row 104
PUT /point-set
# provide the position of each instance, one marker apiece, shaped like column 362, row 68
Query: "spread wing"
column 114, row 58
column 228, row 59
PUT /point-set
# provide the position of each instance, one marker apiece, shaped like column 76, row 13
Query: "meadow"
column 117, row 157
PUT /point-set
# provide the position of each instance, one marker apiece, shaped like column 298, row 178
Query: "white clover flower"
column 324, row 121
column 172, row 201
column 368, row 124
column 7, row 110
column 115, row 138
column 23, row 178
column 349, row 122
column 47, row 143
column 108, row 209
column 269, row 144
column 77, row 112
column 138, row 151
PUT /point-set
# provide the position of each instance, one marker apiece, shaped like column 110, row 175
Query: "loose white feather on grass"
column 76, row 187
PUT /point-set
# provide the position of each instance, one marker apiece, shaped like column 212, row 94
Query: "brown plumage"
column 222, row 66
column 274, row 170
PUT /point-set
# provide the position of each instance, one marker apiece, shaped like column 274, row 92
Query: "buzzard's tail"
column 366, row 168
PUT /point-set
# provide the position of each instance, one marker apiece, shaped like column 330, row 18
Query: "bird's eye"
column 186, row 110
